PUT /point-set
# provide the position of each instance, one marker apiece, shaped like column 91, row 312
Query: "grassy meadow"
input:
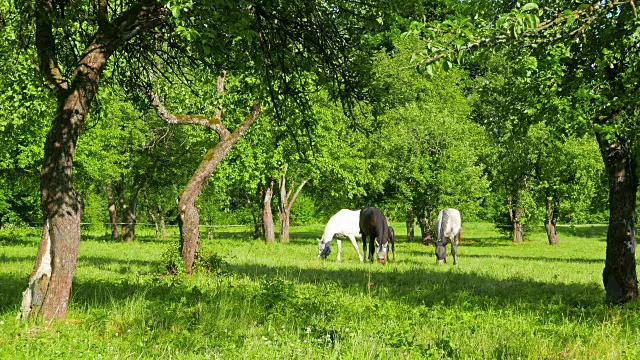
column 259, row 301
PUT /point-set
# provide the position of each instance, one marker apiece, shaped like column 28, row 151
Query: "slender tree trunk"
column 163, row 227
column 287, row 199
column 410, row 225
column 155, row 223
column 514, row 217
column 267, row 216
column 550, row 222
column 113, row 215
column 258, row 220
column 619, row 274
column 130, row 216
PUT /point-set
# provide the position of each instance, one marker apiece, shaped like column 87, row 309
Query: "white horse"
column 448, row 227
column 345, row 223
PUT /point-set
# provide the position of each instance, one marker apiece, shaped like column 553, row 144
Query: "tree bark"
column 410, row 225
column 267, row 216
column 514, row 217
column 163, row 227
column 155, row 223
column 286, row 203
column 550, row 221
column 62, row 207
column 129, row 211
column 258, row 224
column 619, row 275
column 113, row 215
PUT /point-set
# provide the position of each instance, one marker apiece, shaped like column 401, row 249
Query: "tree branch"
column 169, row 118
column 46, row 46
column 295, row 195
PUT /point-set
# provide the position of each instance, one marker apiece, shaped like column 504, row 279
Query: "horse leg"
column 454, row 248
column 372, row 249
column 393, row 249
column 364, row 245
column 355, row 245
column 339, row 249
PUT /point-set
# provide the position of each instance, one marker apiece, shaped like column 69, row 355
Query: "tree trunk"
column 129, row 210
column 155, row 223
column 163, row 227
column 113, row 215
column 619, row 274
column 550, row 222
column 514, row 217
column 267, row 216
column 62, row 207
column 517, row 232
column 188, row 217
column 287, row 199
column 410, row 225
column 258, row 220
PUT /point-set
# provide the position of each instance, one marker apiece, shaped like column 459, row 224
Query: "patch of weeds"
column 205, row 260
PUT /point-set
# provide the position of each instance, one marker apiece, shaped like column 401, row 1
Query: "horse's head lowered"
column 382, row 246
column 324, row 249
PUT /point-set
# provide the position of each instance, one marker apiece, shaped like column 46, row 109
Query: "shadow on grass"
column 594, row 231
column 537, row 258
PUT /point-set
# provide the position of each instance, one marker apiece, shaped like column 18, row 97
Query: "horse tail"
column 443, row 225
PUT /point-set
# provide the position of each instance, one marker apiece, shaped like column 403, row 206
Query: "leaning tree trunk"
column 113, row 215
column 619, row 274
column 410, row 226
column 155, row 223
column 188, row 217
column 267, row 215
column 61, row 205
column 550, row 222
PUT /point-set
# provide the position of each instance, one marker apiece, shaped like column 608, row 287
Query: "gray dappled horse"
column 448, row 226
column 374, row 224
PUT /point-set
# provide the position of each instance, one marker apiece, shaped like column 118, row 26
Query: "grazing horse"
column 374, row 224
column 345, row 223
column 448, row 226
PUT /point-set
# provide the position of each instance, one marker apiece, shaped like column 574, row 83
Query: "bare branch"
column 213, row 123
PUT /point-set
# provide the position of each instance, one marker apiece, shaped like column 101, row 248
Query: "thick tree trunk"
column 287, row 199
column 410, row 225
column 62, row 207
column 267, row 216
column 619, row 274
column 113, row 215
column 550, row 222
column 517, row 232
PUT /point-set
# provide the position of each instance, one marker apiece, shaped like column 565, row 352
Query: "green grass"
column 502, row 300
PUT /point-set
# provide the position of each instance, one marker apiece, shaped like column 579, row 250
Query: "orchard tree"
column 597, row 73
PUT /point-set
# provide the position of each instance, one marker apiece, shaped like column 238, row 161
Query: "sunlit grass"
column 503, row 300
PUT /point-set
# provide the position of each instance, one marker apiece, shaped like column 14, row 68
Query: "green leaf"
column 530, row 6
